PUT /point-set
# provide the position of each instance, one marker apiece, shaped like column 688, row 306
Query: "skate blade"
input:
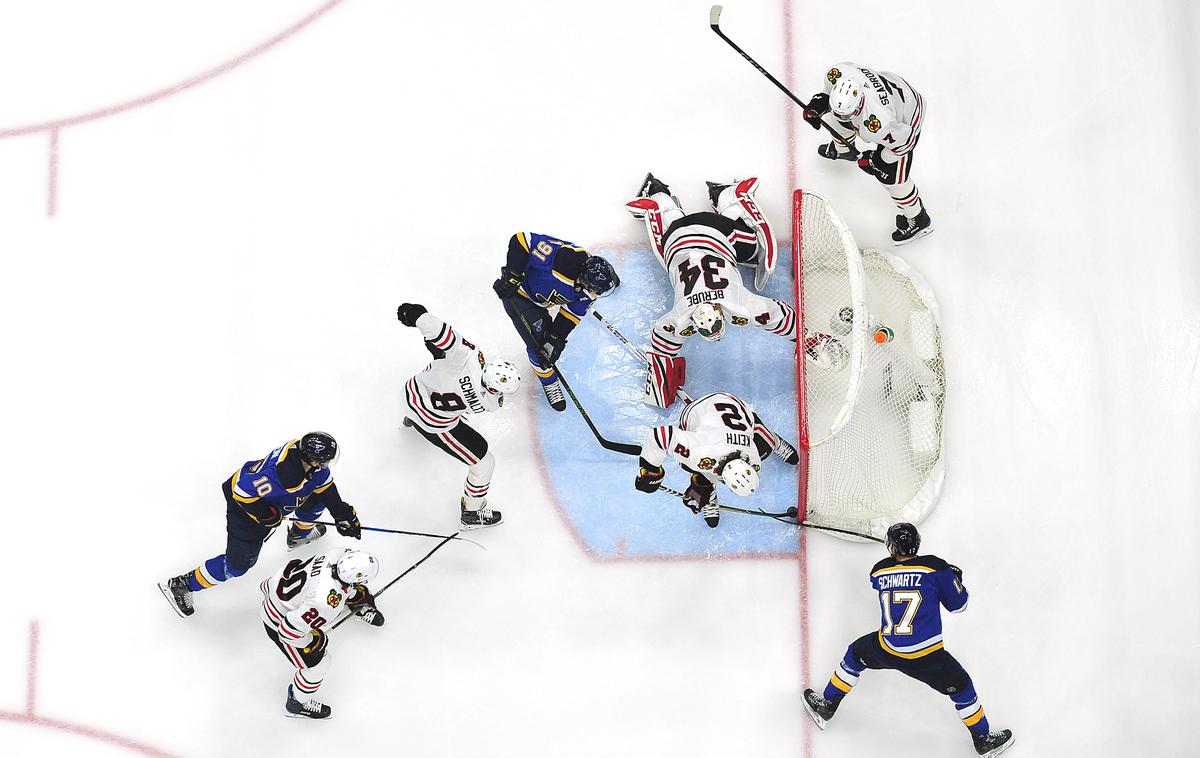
column 171, row 600
column 473, row 527
column 820, row 722
column 923, row 233
column 291, row 715
column 1001, row 749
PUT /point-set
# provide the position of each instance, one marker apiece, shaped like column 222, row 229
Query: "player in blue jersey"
column 544, row 274
column 912, row 590
column 293, row 478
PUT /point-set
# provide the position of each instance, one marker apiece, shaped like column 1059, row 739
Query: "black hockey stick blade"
column 392, row 531
column 407, row 571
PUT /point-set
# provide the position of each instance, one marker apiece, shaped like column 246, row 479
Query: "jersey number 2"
column 911, row 600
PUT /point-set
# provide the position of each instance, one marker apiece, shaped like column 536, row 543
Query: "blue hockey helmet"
column 903, row 540
column 597, row 276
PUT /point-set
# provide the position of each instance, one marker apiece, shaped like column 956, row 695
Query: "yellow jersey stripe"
column 319, row 490
column 287, row 449
column 203, row 582
column 234, row 492
column 837, row 682
column 910, row 656
column 904, row 569
column 562, row 278
column 568, row 315
column 524, row 242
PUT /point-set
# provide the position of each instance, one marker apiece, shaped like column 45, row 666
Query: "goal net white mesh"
column 870, row 406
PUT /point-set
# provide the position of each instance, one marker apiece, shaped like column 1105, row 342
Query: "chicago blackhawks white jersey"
column 893, row 110
column 302, row 596
column 701, row 254
column 452, row 384
column 711, row 430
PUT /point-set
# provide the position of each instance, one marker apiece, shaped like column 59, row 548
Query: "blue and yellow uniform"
column 257, row 497
column 912, row 593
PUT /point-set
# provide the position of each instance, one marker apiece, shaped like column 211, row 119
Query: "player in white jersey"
column 884, row 110
column 299, row 601
column 719, row 438
column 459, row 381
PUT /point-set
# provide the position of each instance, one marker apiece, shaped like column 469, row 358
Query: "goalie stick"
column 407, row 571
column 714, row 22
column 607, row 444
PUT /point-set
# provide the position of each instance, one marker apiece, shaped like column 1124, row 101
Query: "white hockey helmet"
column 847, row 99
column 740, row 477
column 357, row 567
column 501, row 378
column 709, row 321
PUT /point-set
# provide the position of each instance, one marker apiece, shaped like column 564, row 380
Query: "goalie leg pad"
column 664, row 376
column 737, row 201
column 659, row 211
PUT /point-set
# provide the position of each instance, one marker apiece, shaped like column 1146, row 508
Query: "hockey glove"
column 508, row 283
column 817, row 107
column 649, row 477
column 317, row 644
column 408, row 313
column 870, row 162
column 699, row 492
column 363, row 605
column 553, row 347
column 264, row 513
column 350, row 527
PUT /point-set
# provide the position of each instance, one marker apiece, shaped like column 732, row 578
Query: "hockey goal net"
column 872, row 382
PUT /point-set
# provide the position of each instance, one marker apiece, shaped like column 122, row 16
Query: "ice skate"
column 652, row 186
column 714, row 192
column 308, row 709
column 480, row 517
column 831, row 152
column 712, row 514
column 295, row 538
column 819, row 708
column 993, row 744
column 908, row 229
column 178, row 595
column 555, row 396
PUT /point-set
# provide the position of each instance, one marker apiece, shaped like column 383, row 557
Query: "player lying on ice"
column 542, row 274
column 701, row 253
column 718, row 438
column 300, row 599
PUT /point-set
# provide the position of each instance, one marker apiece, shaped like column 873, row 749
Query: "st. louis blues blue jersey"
column 911, row 596
column 550, row 267
column 279, row 480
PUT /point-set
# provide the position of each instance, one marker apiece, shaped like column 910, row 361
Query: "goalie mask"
column 847, row 99
column 709, row 321
column 740, row 477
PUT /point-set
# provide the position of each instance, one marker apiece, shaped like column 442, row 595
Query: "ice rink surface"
column 192, row 280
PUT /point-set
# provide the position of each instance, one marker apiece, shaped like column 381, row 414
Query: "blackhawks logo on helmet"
column 873, row 124
column 739, row 321
column 833, row 75
column 707, row 463
column 333, row 599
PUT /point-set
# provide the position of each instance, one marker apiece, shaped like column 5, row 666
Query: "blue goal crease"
column 595, row 486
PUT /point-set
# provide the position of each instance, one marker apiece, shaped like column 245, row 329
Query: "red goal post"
column 870, row 379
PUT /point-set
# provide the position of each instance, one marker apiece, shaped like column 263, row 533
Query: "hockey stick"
column 634, row 349
column 408, row 570
column 616, row 447
column 390, row 531
column 714, row 22
column 786, row 517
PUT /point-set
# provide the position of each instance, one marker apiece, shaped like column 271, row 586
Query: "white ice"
column 222, row 271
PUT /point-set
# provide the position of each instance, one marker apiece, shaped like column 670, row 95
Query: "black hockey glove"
column 350, row 527
column 699, row 492
column 870, row 162
column 817, row 107
column 317, row 645
column 553, row 346
column 508, row 283
column 408, row 313
column 264, row 513
column 649, row 477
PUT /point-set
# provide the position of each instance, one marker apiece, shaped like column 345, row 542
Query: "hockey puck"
column 792, row 511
